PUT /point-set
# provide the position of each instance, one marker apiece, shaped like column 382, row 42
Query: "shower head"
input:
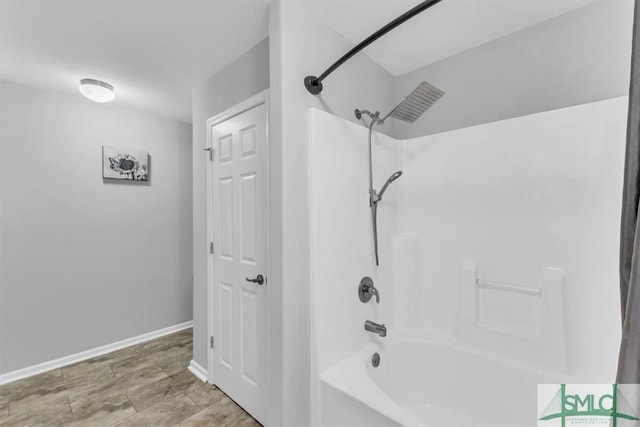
column 392, row 178
column 418, row 101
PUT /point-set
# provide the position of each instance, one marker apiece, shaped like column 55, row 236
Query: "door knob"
column 259, row 279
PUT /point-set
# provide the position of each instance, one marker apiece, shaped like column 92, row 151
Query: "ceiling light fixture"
column 97, row 90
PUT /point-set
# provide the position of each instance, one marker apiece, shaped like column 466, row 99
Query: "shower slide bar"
column 314, row 84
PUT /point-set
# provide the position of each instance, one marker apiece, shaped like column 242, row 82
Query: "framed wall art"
column 122, row 163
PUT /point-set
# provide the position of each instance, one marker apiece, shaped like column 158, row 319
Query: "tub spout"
column 375, row 328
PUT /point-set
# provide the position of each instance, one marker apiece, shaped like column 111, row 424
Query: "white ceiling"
column 152, row 52
column 155, row 51
column 445, row 29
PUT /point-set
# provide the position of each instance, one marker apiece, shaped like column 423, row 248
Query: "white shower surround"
column 527, row 203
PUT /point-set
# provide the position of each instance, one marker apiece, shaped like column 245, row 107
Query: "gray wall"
column 84, row 263
column 579, row 57
column 243, row 78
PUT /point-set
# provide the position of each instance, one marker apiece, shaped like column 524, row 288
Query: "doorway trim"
column 246, row 105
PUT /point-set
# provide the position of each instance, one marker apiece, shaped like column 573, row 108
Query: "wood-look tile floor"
column 143, row 385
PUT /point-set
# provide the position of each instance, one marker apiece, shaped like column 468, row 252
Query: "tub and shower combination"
column 494, row 262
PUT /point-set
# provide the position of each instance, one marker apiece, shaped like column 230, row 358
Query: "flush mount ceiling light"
column 97, row 90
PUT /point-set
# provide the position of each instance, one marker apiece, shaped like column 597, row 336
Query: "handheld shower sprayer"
column 374, row 198
column 389, row 181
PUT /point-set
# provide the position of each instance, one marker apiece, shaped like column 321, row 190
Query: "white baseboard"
column 88, row 354
column 197, row 370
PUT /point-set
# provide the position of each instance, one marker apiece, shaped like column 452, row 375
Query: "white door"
column 237, row 220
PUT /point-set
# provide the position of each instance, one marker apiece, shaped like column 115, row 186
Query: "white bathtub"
column 429, row 383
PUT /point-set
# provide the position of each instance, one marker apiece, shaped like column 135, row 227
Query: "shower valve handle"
column 366, row 290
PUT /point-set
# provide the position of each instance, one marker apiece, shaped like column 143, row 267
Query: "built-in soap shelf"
column 523, row 321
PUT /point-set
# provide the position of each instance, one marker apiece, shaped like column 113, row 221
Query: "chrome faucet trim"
column 376, row 328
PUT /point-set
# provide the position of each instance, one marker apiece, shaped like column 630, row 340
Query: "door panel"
column 225, row 230
column 226, row 324
column 238, row 224
column 249, row 220
column 249, row 338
